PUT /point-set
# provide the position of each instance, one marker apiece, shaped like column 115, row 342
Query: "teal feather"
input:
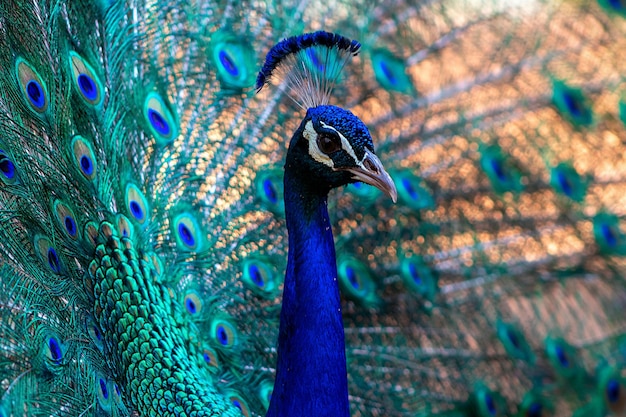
column 142, row 230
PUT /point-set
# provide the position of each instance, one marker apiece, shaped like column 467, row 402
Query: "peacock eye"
column 328, row 143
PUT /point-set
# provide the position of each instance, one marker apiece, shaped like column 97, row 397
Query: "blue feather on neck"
column 311, row 372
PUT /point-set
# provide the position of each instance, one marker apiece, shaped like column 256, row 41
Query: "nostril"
column 370, row 166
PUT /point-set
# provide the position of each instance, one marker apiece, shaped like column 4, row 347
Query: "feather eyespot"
column 32, row 86
column 269, row 190
column 390, row 72
column 500, row 170
column 137, row 204
column 316, row 60
column 260, row 277
column 95, row 334
column 490, row 404
column 66, row 219
column 572, row 104
column 187, row 232
column 420, row 278
column 534, row 410
column 7, row 168
column 615, row 396
column 234, row 60
column 193, row 303
column 238, row 402
column 224, row 333
column 513, row 338
column 87, row 86
column 328, row 143
column 103, row 391
column 536, row 404
column 352, row 278
column 103, row 388
column 158, row 122
column 90, row 232
column 210, row 359
column 607, row 233
column 413, row 191
column 227, row 63
column 612, row 391
column 86, row 165
column 53, row 350
column 70, row 225
column 86, row 81
column 124, row 227
column 256, row 276
column 84, row 157
column 611, row 388
column 561, row 356
column 486, row 402
column 48, row 254
column 514, row 342
column 563, row 359
column 160, row 119
column 356, row 281
column 566, row 181
column 53, row 260
column 35, row 93
column 117, row 393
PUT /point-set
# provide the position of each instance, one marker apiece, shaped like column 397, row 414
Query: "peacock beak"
column 372, row 172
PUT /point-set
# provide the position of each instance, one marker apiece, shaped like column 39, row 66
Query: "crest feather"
column 308, row 65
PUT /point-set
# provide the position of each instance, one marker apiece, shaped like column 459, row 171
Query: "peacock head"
column 332, row 147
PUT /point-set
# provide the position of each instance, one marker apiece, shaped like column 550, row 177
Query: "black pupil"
column 85, row 83
column 103, row 389
column 54, row 350
column 85, row 162
column 222, row 336
column 191, row 306
column 69, row 225
column 34, row 91
column 328, row 143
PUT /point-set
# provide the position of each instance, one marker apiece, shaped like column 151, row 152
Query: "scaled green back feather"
column 142, row 235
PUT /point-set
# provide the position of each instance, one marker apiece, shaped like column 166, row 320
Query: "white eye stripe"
column 345, row 145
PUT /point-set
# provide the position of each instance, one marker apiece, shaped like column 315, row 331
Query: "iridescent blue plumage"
column 145, row 195
column 325, row 152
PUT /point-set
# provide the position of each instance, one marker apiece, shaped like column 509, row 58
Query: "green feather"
column 142, row 232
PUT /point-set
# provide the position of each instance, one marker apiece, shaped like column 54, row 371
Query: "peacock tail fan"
column 142, row 232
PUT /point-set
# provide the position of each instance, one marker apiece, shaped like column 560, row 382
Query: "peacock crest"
column 147, row 187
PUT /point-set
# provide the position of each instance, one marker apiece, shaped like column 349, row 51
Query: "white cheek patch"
column 311, row 135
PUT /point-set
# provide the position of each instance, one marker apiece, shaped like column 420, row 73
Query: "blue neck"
column 311, row 375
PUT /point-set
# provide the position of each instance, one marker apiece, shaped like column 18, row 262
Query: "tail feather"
column 494, row 285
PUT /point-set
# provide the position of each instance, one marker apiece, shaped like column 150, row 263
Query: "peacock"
column 178, row 238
